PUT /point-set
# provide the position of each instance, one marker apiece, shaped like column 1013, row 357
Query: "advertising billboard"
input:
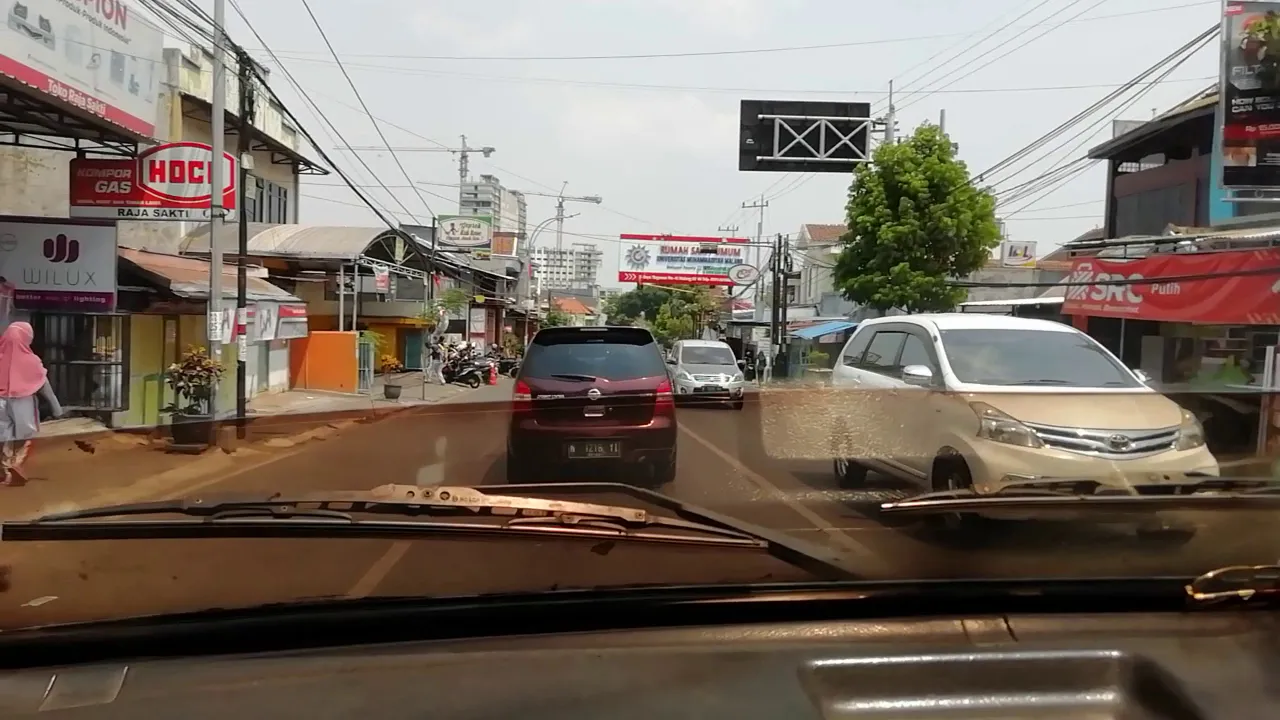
column 679, row 259
column 59, row 267
column 1018, row 253
column 100, row 57
column 1251, row 95
column 465, row 232
column 166, row 182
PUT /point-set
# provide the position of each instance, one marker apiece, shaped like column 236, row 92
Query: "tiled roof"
column 570, row 305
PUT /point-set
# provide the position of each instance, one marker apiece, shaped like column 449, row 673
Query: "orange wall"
column 324, row 360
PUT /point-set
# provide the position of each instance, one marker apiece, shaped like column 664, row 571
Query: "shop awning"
column 814, row 332
column 189, row 277
column 1238, row 287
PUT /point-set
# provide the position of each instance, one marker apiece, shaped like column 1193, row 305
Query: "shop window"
column 87, row 359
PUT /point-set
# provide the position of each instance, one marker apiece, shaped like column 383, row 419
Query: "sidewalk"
column 77, row 462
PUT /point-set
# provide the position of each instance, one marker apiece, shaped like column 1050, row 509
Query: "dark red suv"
column 596, row 399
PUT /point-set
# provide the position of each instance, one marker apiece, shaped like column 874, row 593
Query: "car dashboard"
column 1157, row 666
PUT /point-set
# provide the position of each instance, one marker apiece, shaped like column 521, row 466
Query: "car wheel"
column 517, row 474
column 664, row 472
column 849, row 474
column 737, row 404
column 951, row 472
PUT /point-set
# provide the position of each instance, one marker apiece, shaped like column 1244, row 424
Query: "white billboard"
column 1018, row 253
column 100, row 56
column 59, row 267
column 679, row 259
column 465, row 231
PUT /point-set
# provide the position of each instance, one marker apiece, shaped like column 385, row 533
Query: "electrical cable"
column 1107, row 99
column 719, row 53
column 359, row 98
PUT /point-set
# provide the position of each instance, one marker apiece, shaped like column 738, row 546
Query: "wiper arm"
column 421, row 511
column 575, row 376
column 399, row 500
column 1186, row 492
column 1237, row 582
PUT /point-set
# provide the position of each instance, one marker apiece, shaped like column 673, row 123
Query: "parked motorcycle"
column 508, row 366
column 466, row 371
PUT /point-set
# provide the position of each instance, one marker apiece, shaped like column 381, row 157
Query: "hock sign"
column 166, row 182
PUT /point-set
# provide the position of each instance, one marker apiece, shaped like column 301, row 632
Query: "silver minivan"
column 707, row 370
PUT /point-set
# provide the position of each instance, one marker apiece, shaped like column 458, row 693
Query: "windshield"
column 696, row 355
column 741, row 266
column 1031, row 357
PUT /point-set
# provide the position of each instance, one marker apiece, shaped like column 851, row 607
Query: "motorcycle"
column 508, row 366
column 465, row 370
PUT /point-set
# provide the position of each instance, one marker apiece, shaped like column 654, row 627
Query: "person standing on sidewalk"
column 437, row 364
column 22, row 377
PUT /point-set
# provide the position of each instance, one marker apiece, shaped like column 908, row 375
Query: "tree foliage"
column 555, row 318
column 672, row 313
column 916, row 223
column 639, row 304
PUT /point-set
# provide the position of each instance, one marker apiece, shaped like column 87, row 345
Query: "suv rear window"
column 610, row 353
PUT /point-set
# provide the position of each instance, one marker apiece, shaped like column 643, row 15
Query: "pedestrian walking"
column 437, row 365
column 22, row 377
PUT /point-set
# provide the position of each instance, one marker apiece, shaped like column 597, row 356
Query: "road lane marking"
column 379, row 570
column 833, row 533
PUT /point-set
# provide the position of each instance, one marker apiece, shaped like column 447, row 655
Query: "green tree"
column 674, row 322
column 639, row 304
column 916, row 222
column 555, row 318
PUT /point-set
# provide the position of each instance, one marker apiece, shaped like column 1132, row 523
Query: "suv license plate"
column 584, row 450
column 711, row 389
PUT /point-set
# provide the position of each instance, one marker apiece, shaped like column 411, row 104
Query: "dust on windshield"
column 694, row 261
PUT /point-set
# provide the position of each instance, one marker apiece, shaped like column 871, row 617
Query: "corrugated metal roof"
column 189, row 277
column 827, row 328
column 302, row 241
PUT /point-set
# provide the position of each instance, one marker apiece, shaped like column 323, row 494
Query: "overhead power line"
column 745, row 51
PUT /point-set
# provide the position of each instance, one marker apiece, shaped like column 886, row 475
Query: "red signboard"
column 661, row 278
column 166, row 182
column 1218, row 288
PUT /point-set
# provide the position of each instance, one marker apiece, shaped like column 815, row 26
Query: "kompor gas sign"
column 166, row 182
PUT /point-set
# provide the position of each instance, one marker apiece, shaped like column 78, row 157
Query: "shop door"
column 263, row 380
column 412, row 350
column 366, row 355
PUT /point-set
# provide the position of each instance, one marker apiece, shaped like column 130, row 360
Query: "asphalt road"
column 721, row 468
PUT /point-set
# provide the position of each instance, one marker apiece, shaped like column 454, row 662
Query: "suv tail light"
column 664, row 401
column 522, row 401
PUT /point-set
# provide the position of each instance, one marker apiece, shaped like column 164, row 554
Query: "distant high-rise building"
column 576, row 267
column 507, row 207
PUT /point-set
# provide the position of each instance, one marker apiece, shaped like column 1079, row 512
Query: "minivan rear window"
column 612, row 354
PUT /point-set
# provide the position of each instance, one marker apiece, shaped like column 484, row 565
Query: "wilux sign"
column 166, row 182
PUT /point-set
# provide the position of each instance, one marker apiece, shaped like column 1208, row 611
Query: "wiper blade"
column 1236, row 582
column 575, row 376
column 1058, row 494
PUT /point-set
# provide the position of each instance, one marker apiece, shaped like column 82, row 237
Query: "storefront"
column 1200, row 324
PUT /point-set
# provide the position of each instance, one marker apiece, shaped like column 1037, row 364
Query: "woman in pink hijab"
column 22, row 377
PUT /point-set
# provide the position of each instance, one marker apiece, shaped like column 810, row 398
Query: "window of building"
column 266, row 202
column 87, row 359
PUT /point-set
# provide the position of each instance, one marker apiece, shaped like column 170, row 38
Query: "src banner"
column 1207, row 288
column 1251, row 101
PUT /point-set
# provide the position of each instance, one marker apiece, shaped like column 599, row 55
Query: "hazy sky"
column 656, row 136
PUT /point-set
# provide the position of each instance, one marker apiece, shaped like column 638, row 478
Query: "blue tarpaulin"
column 816, row 331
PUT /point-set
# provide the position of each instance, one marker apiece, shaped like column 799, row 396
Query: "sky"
column 656, row 137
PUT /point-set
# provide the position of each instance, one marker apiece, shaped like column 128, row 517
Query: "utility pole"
column 776, row 320
column 758, row 303
column 247, row 112
column 216, row 183
column 942, row 120
column 891, row 119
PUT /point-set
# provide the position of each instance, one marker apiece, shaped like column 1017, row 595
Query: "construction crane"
column 463, row 153
column 561, row 199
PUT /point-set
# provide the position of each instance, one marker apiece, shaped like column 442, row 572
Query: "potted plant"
column 193, row 379
column 390, row 365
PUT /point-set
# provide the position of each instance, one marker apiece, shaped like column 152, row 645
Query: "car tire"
column 664, row 472
column 849, row 474
column 737, row 404
column 517, row 474
column 951, row 472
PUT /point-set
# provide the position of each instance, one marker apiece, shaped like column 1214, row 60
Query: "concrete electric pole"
column 758, row 302
column 217, row 129
column 243, row 154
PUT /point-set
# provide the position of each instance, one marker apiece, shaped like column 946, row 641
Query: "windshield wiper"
column 575, row 376
column 420, row 511
column 1184, row 492
column 1236, row 582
